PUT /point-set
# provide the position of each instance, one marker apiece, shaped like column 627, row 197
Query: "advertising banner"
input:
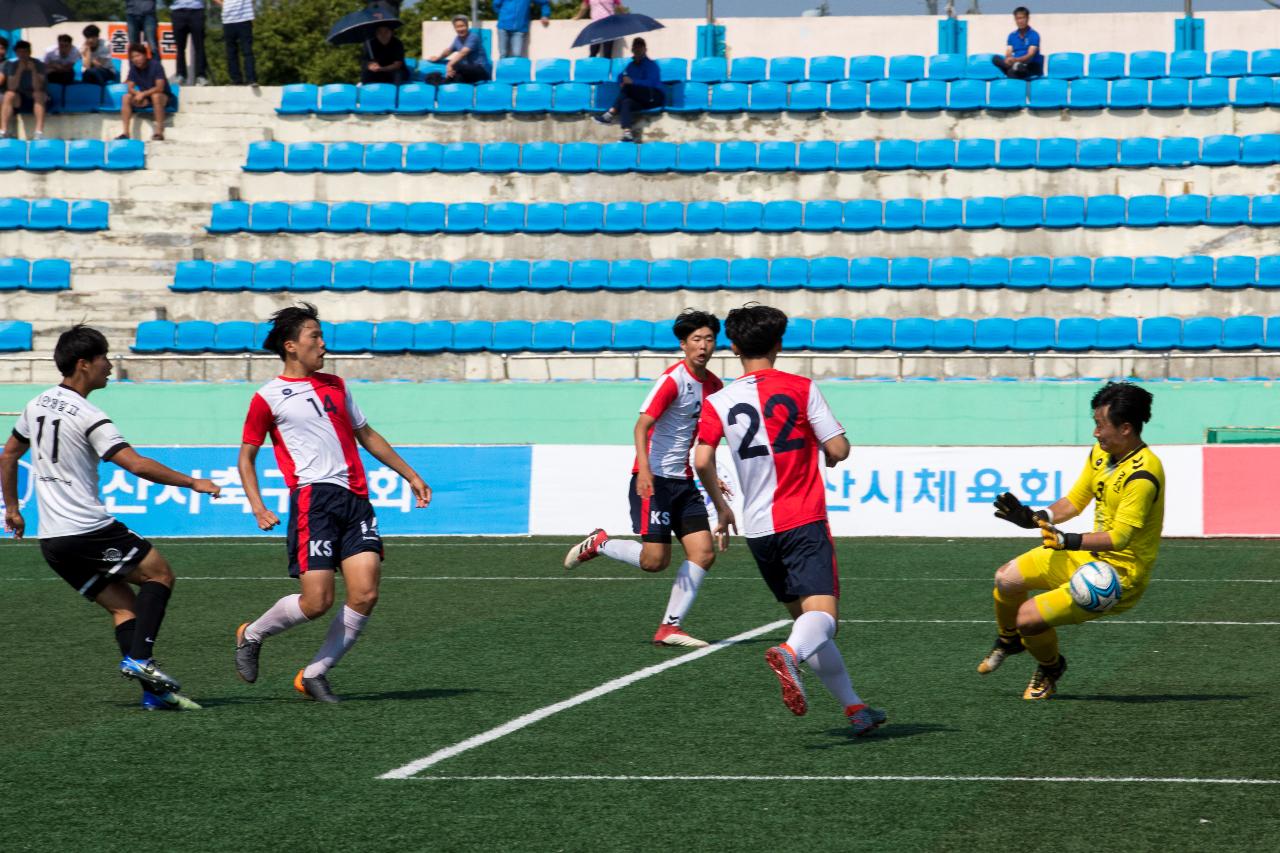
column 118, row 39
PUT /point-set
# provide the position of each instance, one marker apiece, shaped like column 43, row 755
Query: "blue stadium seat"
column 593, row 69
column 816, row 156
column 544, row 217
column 551, row 71
column 827, row 69
column 1234, row 271
column 908, row 272
column 983, row 212
column 151, row 336
column 45, row 155
column 272, row 276
column 337, row 98
column 82, row 215
column 532, row 98
column 1147, row 64
column 538, row 157
column 415, row 99
column 747, row 69
column 1064, row 211
column 1188, row 63
column 1112, row 272
column 923, row 96
column 943, row 214
column 868, row 273
column 1104, row 211
column 551, row 336
column 953, row 334
column 194, row 336
column 509, row 275
column 980, row 67
column 570, row 98
column 729, row 97
column 1189, row 209
column 618, row 157
column 896, row 154
column 88, row 154
column 464, row 218
column 906, row 67
column 500, row 157
column 1139, row 152
column 383, row 157
column 871, row 67
column 1066, row 272
column 626, row 274
column 623, row 217
column 387, row 217
column 1129, row 94
column 1201, row 333
column 420, row 157
column 583, row 217
column 1242, row 332
column 455, row 98
column 472, row 336
column 993, row 334
column 512, row 69
column 1156, row 270
column 807, row 97
column 1097, row 153
column 799, row 334
column 592, row 335
column 297, row 99
column 745, row 216
column 774, row 217
column 846, row 96
column 1179, row 151
column 788, row 273
column 1265, row 63
column 232, row 275
column 504, row 217
column 305, row 157
column 911, row 334
column 967, row 95
column 1047, row 94
column 858, row 155
column 1266, row 210
column 886, row 95
column 1116, row 333
column 1228, row 210
column 112, row 97
column 988, row 272
column 341, row 157
column 1066, row 66
column 1106, row 65
column 1005, row 94
column 709, row 274
column 1033, row 334
column 748, row 273
column 76, row 98
column 1272, row 340
column 1254, row 92
column 1260, row 149
column 346, row 217
column 663, row 217
column 392, row 336
column 460, row 157
column 865, row 214
column 976, row 154
column 704, row 216
column 376, row 99
column 1076, row 334
column 632, row 335
column 579, row 157
column 493, row 98
column 189, row 276
column 947, row 66
column 432, row 275
column 949, row 273
column 657, row 157
column 1168, row 93
column 351, row 275
column 432, row 336
column 1017, row 152
column 1210, row 93
column 832, row 334
column 673, row 69
column 695, row 157
column 828, row 273
column 688, row 97
column 776, row 157
column 872, row 333
column 903, row 214
column 15, row 273
column 390, row 275
column 470, row 275
column 1087, row 93
column 265, row 157
column 823, row 215
column 13, row 154
column 668, row 274
column 1023, row 211
column 709, row 69
column 1146, row 211
column 1160, row 333
column 305, row 217
column 549, row 275
column 1056, row 152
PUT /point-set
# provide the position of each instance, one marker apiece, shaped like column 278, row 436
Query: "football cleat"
column 247, row 653
column 784, row 665
column 672, row 635
column 1044, row 682
column 864, row 719
column 1004, row 646
column 587, row 549
column 314, row 688
column 169, row 701
column 148, row 672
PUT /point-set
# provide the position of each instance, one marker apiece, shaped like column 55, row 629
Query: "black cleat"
column 314, row 688
column 1004, row 646
column 247, row 653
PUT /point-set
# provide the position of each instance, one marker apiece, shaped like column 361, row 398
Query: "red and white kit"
column 675, row 404
column 312, row 424
column 774, row 423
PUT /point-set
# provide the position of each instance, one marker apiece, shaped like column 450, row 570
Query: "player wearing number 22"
column 315, row 424
column 1125, row 480
column 88, row 548
column 775, row 423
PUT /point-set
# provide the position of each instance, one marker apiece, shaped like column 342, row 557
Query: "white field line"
column 414, row 767
column 1125, row 780
column 1095, row 622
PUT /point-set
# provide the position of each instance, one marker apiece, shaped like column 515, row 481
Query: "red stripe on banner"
column 1241, row 491
column 644, row 516
column 304, row 528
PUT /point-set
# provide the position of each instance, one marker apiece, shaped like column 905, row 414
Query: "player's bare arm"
column 249, row 482
column 149, row 469
column 14, row 449
column 644, row 473
column 704, row 463
column 379, row 448
column 836, row 450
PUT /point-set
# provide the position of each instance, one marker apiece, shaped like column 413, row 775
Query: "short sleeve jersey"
column 1128, row 492
column 68, row 436
column 675, row 404
column 1022, row 43
column 312, row 424
column 774, row 423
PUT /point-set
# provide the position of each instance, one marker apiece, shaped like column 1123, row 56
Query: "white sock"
column 622, row 550
column 828, row 664
column 683, row 591
column 344, row 630
column 810, row 632
column 282, row 616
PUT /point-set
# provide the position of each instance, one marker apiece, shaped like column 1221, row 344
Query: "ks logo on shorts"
column 662, row 518
column 320, row 548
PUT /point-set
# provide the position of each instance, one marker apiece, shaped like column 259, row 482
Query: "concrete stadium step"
column 100, row 247
column 146, row 186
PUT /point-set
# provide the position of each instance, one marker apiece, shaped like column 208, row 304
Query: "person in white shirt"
column 237, row 34
column 60, row 61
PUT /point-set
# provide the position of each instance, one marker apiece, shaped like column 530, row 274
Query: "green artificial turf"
column 445, row 659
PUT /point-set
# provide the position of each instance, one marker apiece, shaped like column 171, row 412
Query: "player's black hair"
column 691, row 320
column 1129, row 404
column 755, row 329
column 76, row 343
column 286, row 325
column 1022, row 10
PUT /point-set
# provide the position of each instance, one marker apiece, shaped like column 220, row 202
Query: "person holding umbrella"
column 597, row 9
column 468, row 63
column 641, row 90
column 383, row 58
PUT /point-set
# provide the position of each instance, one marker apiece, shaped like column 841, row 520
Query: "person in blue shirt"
column 513, row 25
column 641, row 90
column 468, row 63
column 1022, row 58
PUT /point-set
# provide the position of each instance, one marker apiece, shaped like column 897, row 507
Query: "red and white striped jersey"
column 312, row 423
column 675, row 404
column 774, row 422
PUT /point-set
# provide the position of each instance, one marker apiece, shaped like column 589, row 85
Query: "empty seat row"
column 627, row 217
column 44, row 274
column 830, row 334
column 842, row 96
column 52, row 214
column 737, row 156
column 782, row 273
column 92, row 98
column 44, row 155
column 15, row 336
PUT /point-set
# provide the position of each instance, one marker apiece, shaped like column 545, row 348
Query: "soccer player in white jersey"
column 663, row 496
column 775, row 423
column 314, row 425
column 79, row 539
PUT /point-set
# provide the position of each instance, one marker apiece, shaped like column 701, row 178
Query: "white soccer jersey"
column 774, row 423
column 675, row 404
column 68, row 435
column 312, row 425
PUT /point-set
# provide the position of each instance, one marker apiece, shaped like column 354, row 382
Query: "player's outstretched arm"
column 14, row 449
column 381, row 450
column 246, row 465
column 149, row 469
column 704, row 463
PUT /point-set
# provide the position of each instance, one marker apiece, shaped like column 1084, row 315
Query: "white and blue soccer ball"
column 1095, row 586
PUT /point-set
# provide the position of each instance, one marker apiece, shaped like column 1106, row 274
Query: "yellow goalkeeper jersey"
column 1130, row 504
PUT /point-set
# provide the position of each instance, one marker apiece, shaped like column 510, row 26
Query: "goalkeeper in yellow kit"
column 1126, row 480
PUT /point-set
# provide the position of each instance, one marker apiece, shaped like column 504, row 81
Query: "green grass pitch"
column 471, row 634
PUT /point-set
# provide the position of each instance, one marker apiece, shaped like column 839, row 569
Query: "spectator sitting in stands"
column 147, row 86
column 383, row 58
column 468, row 63
column 641, row 90
column 24, row 89
column 95, row 59
column 1023, row 58
column 513, row 25
column 60, row 62
column 597, row 9
column 4, row 54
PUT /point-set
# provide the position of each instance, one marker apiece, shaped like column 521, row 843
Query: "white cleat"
column 672, row 635
column 587, row 549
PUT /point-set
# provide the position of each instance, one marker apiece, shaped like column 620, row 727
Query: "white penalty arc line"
column 1124, row 780
column 414, row 767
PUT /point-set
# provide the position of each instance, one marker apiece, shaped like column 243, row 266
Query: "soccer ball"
column 1095, row 586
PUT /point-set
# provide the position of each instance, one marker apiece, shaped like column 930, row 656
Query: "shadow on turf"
column 889, row 731
column 1150, row 698
column 388, row 695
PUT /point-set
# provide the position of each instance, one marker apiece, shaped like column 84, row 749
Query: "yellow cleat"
column 1044, row 683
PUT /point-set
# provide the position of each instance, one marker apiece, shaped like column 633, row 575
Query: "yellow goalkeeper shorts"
column 1045, row 568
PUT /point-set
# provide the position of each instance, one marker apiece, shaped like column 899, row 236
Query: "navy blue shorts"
column 798, row 562
column 327, row 524
column 676, row 507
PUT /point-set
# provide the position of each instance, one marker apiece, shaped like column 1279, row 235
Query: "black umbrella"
column 359, row 27
column 615, row 27
column 16, row 14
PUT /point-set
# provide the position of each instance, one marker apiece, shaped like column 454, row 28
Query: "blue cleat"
column 864, row 719
column 149, row 674
column 167, row 702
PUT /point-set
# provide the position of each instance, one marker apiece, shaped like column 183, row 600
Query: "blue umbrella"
column 615, row 27
column 359, row 27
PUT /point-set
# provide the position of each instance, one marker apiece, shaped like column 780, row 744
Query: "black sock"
column 152, row 598
column 124, row 636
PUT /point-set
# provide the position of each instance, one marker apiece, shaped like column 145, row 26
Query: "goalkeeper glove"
column 1013, row 511
column 1059, row 541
